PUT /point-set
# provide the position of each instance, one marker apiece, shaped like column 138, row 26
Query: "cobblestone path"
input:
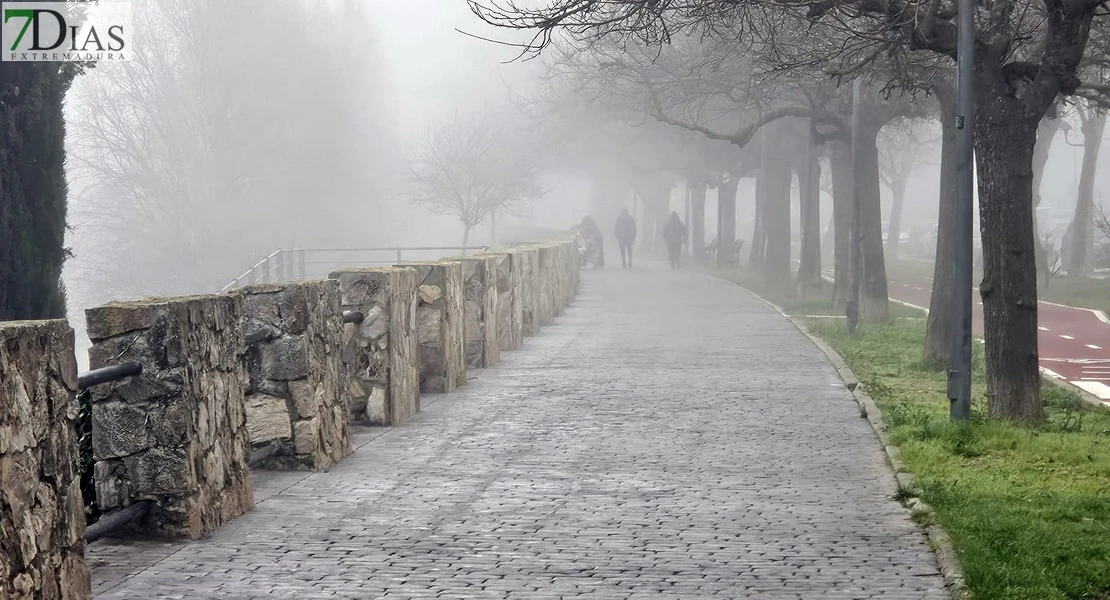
column 669, row 437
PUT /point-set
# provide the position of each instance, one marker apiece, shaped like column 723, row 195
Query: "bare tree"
column 189, row 167
column 1029, row 53
column 1092, row 123
column 900, row 146
column 471, row 166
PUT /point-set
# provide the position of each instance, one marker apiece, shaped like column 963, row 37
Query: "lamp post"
column 959, row 361
column 851, row 306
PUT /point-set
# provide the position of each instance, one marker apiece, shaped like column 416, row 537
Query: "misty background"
column 292, row 124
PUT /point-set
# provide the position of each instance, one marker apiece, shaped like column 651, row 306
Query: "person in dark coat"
column 595, row 243
column 674, row 233
column 626, row 235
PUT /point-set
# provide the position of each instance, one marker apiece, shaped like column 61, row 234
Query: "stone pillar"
column 296, row 398
column 383, row 386
column 439, row 325
column 530, row 289
column 480, row 312
column 177, row 434
column 546, row 288
column 508, row 287
column 42, row 514
column 573, row 269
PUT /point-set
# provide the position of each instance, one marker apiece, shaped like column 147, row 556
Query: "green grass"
column 1027, row 508
column 792, row 304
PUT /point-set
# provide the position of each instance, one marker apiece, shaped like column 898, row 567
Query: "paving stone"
column 667, row 437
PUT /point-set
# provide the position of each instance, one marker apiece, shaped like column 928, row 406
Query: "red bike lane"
column 1074, row 343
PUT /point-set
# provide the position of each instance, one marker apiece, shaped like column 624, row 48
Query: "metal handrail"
column 290, row 263
column 108, row 524
column 353, row 316
column 107, row 374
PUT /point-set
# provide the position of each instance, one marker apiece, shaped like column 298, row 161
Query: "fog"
column 299, row 124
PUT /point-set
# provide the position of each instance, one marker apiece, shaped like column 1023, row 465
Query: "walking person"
column 674, row 233
column 626, row 235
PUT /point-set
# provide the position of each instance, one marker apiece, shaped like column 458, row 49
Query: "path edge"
column 939, row 541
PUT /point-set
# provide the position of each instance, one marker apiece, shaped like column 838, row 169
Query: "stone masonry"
column 548, row 285
column 480, row 312
column 439, row 325
column 509, row 311
column 529, row 292
column 42, row 518
column 296, row 397
column 177, row 434
column 383, row 385
column 687, row 445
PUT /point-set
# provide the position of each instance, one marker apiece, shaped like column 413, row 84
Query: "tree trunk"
column 894, row 231
column 32, row 190
column 492, row 227
column 726, row 217
column 697, row 219
column 1046, row 133
column 874, row 302
column 466, row 236
column 840, row 162
column 938, row 328
column 1004, row 139
column 1083, row 224
column 776, row 210
column 809, row 185
column 758, row 249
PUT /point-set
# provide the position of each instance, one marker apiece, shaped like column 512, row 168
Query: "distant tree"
column 472, row 166
column 33, row 189
column 900, row 146
column 1077, row 261
column 189, row 167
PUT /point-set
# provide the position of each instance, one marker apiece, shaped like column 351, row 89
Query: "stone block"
column 441, row 325
column 298, row 376
column 380, row 354
column 480, row 310
column 176, row 435
column 268, row 419
column 42, row 521
column 529, row 289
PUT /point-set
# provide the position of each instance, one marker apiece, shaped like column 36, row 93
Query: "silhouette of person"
column 674, row 234
column 626, row 235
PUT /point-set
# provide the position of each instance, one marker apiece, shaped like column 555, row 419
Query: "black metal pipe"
column 259, row 456
column 107, row 524
column 353, row 316
column 106, row 374
column 258, row 337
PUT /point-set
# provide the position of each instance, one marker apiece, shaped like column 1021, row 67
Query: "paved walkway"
column 669, row 437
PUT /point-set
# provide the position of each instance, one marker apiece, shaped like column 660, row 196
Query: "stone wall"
column 177, row 434
column 42, row 517
column 296, row 398
column 508, row 284
column 545, row 267
column 480, row 312
column 439, row 325
column 529, row 292
column 383, row 387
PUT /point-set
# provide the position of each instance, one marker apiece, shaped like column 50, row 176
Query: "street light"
column 959, row 360
column 851, row 306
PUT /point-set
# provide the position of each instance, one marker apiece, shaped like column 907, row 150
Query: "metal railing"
column 108, row 523
column 298, row 264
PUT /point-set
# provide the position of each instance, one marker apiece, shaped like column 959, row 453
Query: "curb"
column 939, row 542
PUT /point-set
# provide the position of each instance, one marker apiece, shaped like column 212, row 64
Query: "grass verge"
column 1027, row 508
